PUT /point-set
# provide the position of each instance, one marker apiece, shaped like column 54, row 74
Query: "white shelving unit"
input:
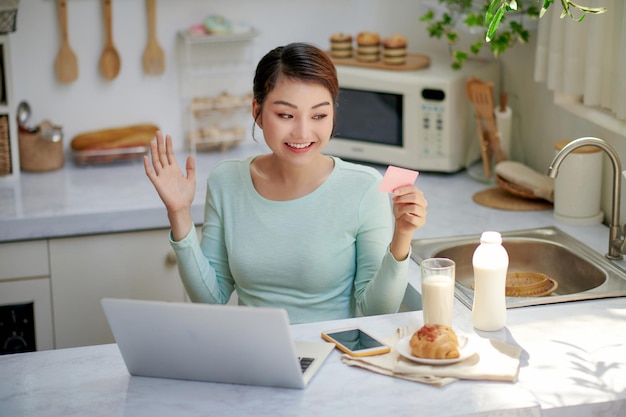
column 215, row 77
column 8, row 122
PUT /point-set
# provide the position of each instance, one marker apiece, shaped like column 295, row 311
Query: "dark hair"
column 297, row 61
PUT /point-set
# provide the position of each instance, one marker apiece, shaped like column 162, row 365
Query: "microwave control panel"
column 432, row 131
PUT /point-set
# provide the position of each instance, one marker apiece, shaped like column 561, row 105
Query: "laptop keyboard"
column 305, row 363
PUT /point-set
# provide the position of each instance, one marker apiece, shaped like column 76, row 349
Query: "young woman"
column 293, row 228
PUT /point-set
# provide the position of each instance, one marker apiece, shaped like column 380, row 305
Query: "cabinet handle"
column 170, row 258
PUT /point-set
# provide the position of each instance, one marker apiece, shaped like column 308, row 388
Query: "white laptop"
column 217, row 343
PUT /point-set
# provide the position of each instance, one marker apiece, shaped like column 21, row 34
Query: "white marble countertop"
column 79, row 200
column 572, row 364
column 93, row 381
column 573, row 360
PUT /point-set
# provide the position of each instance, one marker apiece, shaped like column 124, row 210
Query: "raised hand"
column 176, row 189
column 409, row 211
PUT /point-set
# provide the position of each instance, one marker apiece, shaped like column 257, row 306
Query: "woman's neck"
column 279, row 181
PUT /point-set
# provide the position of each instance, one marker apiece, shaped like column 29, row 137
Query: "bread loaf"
column 120, row 137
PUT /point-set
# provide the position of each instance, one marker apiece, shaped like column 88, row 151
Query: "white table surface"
column 573, row 361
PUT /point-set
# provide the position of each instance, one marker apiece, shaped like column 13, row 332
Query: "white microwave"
column 418, row 119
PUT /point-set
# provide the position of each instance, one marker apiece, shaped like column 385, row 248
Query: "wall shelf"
column 215, row 79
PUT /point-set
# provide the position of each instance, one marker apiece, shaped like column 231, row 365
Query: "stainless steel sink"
column 581, row 272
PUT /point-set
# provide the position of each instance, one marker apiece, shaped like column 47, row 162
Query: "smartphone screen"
column 355, row 342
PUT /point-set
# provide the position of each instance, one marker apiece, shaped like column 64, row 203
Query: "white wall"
column 93, row 103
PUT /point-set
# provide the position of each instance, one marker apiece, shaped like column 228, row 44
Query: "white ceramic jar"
column 578, row 186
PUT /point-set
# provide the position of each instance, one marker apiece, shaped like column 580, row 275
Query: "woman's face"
column 297, row 119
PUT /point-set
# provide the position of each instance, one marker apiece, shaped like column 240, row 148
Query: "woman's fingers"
column 154, row 151
column 162, row 153
column 169, row 152
column 409, row 205
column 409, row 195
column 191, row 168
column 161, row 149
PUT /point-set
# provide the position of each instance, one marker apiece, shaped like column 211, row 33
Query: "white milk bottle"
column 490, row 262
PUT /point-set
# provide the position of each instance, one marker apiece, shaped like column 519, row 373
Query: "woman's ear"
column 256, row 113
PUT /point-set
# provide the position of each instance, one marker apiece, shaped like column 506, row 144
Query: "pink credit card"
column 396, row 177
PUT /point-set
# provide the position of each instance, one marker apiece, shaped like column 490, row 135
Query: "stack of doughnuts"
column 394, row 50
column 341, row 45
column 368, row 47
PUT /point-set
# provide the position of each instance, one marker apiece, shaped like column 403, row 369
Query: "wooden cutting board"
column 413, row 62
column 498, row 198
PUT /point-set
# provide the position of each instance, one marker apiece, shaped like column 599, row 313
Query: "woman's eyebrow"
column 286, row 103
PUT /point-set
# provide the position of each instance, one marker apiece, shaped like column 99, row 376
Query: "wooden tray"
column 413, row 62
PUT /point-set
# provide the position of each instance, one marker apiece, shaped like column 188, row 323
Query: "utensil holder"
column 38, row 154
column 577, row 188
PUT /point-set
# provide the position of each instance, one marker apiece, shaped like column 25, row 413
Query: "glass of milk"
column 437, row 290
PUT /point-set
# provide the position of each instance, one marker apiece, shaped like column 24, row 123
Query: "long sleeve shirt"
column 323, row 256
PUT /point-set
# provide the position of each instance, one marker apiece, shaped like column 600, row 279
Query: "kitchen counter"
column 572, row 364
column 83, row 200
column 573, row 360
column 78, row 200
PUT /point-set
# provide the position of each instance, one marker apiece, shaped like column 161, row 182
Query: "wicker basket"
column 5, row 146
column 38, row 154
column 8, row 15
column 528, row 284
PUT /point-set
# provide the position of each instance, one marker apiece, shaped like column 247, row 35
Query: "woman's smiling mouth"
column 299, row 146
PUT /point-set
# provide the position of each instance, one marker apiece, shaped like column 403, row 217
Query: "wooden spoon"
column 66, row 63
column 153, row 56
column 109, row 59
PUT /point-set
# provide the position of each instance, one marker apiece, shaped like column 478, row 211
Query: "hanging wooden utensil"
column 110, row 62
column 66, row 63
column 480, row 94
column 153, row 56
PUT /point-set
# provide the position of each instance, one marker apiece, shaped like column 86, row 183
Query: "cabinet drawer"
column 24, row 259
column 85, row 269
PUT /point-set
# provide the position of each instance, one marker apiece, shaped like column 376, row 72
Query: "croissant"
column 435, row 341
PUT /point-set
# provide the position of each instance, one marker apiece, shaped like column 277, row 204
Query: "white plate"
column 465, row 349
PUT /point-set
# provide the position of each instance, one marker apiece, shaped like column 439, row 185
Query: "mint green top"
column 323, row 256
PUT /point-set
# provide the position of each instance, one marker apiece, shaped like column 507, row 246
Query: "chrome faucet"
column 617, row 243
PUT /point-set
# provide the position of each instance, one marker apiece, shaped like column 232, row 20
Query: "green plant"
column 489, row 18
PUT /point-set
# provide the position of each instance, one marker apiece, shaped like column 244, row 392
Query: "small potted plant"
column 500, row 24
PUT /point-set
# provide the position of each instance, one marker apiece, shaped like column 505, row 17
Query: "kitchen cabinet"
column 25, row 279
column 85, row 269
column 9, row 156
column 215, row 79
